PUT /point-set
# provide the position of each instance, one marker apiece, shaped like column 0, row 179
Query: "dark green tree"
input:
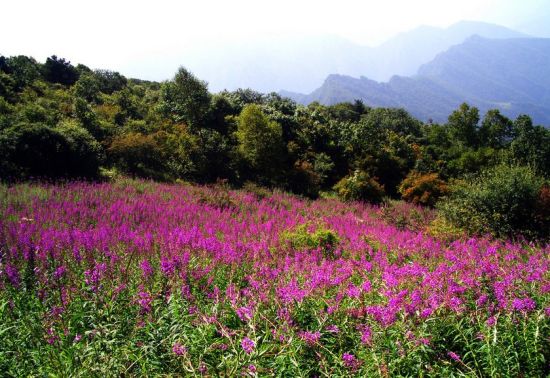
column 186, row 99
column 59, row 70
column 463, row 125
column 260, row 143
column 23, row 70
column 496, row 130
column 87, row 87
column 531, row 145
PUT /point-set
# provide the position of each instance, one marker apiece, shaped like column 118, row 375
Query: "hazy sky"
column 113, row 34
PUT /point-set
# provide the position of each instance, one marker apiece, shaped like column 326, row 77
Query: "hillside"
column 512, row 75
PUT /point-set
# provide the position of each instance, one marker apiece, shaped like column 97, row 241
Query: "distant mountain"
column 509, row 74
column 406, row 52
column 300, row 63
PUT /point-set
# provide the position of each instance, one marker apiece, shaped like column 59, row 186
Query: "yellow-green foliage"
column 301, row 239
column 360, row 186
column 442, row 229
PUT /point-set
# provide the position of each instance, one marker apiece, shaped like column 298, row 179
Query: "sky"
column 114, row 34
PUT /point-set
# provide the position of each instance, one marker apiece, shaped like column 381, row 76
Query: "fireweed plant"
column 136, row 278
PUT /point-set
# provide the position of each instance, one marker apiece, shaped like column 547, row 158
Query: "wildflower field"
column 134, row 278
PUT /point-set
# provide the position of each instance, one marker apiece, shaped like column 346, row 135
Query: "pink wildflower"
column 248, row 345
column 454, row 356
column 178, row 349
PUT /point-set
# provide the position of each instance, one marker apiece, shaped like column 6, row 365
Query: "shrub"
column 218, row 196
column 423, row 189
column 405, row 215
column 259, row 191
column 360, row 187
column 304, row 180
column 542, row 213
column 323, row 239
column 138, row 155
column 36, row 150
column 502, row 201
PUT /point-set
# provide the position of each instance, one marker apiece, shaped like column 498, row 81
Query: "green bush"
column 360, row 187
column 502, row 201
column 36, row 150
column 324, row 239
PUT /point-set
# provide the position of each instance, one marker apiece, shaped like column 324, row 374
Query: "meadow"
column 135, row 278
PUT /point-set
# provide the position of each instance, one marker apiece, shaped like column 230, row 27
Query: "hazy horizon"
column 151, row 41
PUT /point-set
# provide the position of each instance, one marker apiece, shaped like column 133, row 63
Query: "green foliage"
column 360, row 186
column 502, row 200
column 109, row 81
column 22, row 69
column 87, row 87
column 496, row 130
column 531, row 145
column 259, row 142
column 463, row 125
column 381, row 145
column 139, row 155
column 36, row 150
column 185, row 99
column 405, row 215
column 86, row 154
column 323, row 239
column 58, row 70
column 88, row 118
column 472, row 160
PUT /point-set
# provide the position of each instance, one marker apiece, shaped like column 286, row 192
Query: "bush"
column 423, row 189
column 36, row 150
column 86, row 152
column 503, row 201
column 360, row 187
column 323, row 239
column 304, row 180
column 138, row 155
column 405, row 215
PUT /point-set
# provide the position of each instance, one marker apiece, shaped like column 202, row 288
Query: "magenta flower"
column 353, row 291
column 454, row 356
column 13, row 275
column 248, row 345
column 366, row 335
column 350, row 361
column 311, row 338
column 146, row 269
column 178, row 349
column 524, row 305
column 59, row 272
column 244, row 313
column 144, row 300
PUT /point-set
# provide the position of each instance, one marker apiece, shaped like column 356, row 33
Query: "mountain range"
column 511, row 74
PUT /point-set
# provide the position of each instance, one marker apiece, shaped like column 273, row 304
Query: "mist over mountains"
column 300, row 64
column 512, row 75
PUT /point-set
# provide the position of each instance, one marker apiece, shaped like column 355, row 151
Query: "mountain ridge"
column 509, row 74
